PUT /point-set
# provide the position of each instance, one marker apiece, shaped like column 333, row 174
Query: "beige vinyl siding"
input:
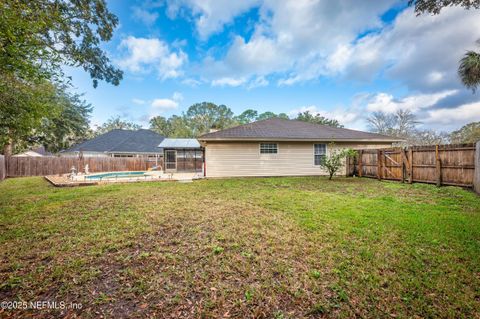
column 225, row 159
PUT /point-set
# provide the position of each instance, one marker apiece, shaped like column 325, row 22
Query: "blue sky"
column 342, row 59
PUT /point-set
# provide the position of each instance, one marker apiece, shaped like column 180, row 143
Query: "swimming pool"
column 115, row 175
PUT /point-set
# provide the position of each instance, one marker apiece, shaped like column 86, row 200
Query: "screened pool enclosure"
column 182, row 155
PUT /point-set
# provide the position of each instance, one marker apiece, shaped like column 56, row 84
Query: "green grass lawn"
column 267, row 247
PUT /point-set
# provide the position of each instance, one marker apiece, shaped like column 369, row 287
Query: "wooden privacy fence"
column 52, row 165
column 437, row 164
column 2, row 168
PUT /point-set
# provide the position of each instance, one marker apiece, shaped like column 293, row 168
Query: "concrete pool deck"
column 80, row 180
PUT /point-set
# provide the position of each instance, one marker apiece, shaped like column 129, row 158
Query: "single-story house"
column 34, row 152
column 279, row 147
column 120, row 143
column 182, row 155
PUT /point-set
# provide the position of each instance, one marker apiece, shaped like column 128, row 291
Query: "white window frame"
column 315, row 154
column 267, row 154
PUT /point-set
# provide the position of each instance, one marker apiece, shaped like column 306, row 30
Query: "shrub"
column 334, row 160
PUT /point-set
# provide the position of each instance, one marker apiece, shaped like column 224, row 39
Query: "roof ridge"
column 242, row 125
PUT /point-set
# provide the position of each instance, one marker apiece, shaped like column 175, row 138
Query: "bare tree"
column 403, row 124
column 400, row 123
column 426, row 137
column 381, row 122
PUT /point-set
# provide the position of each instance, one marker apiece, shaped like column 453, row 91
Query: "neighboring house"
column 34, row 152
column 182, row 155
column 120, row 143
column 278, row 147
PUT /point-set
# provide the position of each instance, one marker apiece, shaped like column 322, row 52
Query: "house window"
column 268, row 148
column 320, row 152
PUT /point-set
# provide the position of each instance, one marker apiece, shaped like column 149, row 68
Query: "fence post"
column 438, row 167
column 410, row 162
column 384, row 169
column 404, row 164
column 476, row 176
column 360, row 168
column 379, row 164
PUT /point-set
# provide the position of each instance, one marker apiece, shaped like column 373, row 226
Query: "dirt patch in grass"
column 227, row 260
column 263, row 248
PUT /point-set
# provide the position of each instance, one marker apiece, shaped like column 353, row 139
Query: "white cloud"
column 339, row 58
column 177, row 96
column 435, row 77
column 164, row 104
column 300, row 40
column 227, row 81
column 454, row 117
column 148, row 18
column 211, row 15
column 387, row 103
column 259, row 81
column 263, row 55
column 349, row 117
column 296, row 37
column 421, row 52
column 408, row 53
column 191, row 82
column 246, row 63
column 139, row 101
column 144, row 55
column 160, row 105
column 424, row 106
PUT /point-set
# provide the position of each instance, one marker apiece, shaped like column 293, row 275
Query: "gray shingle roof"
column 122, row 141
column 281, row 129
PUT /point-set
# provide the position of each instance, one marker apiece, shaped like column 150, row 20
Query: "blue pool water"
column 115, row 175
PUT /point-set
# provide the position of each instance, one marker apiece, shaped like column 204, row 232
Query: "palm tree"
column 469, row 70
